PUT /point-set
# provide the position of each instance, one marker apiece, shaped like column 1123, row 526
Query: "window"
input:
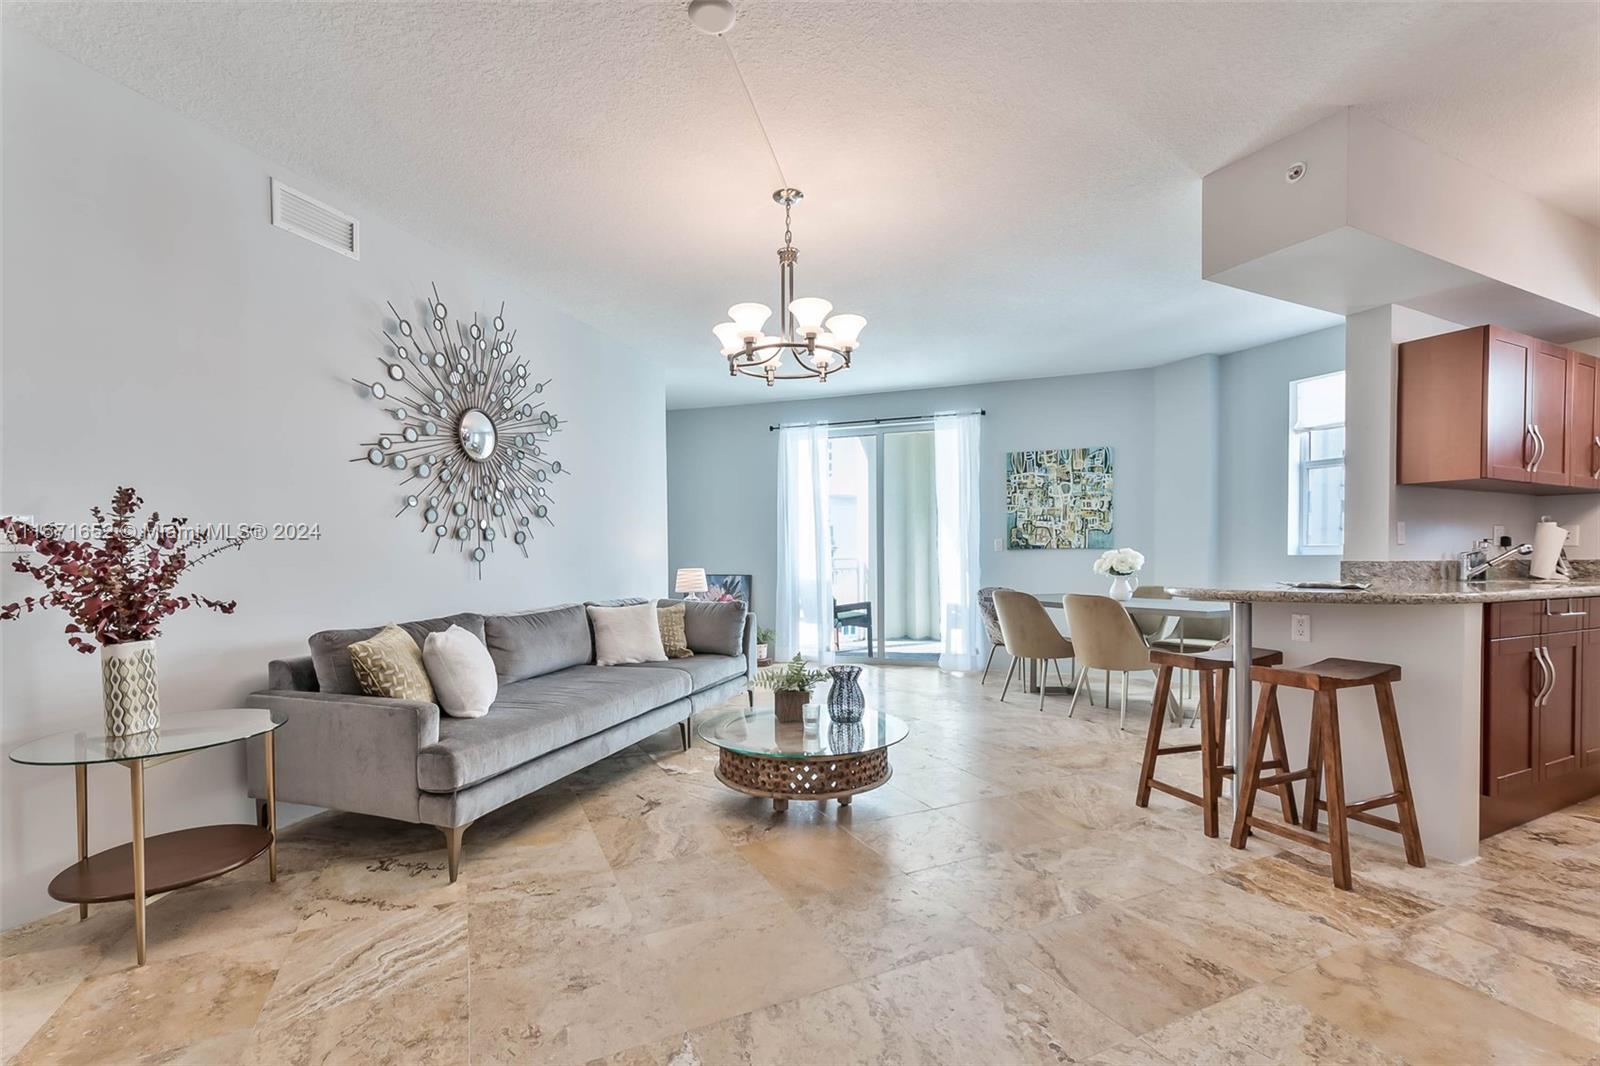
column 1316, row 465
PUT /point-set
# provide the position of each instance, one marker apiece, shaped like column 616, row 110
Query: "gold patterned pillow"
column 390, row 664
column 673, row 639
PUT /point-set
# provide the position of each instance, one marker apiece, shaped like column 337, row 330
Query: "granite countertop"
column 1403, row 592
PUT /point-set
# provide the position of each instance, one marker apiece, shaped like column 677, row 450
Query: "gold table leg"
column 81, row 774
column 136, row 777
column 272, row 808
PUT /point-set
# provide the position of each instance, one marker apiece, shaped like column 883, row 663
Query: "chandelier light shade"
column 816, row 344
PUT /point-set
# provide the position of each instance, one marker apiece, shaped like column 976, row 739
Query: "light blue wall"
column 1201, row 453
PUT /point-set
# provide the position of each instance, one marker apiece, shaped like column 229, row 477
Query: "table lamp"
column 690, row 579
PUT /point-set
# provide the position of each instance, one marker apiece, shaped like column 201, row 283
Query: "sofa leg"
column 683, row 733
column 452, row 843
column 752, row 694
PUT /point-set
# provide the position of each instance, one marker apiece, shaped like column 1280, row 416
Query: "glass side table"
column 146, row 866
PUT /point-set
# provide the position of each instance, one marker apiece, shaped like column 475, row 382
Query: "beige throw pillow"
column 462, row 672
column 674, row 641
column 389, row 663
column 627, row 635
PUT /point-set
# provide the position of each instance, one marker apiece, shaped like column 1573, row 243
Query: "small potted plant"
column 764, row 639
column 791, row 686
column 1121, row 564
column 117, row 588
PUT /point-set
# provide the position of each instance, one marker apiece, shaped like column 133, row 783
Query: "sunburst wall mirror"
column 469, row 433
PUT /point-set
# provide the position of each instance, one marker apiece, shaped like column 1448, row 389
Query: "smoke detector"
column 714, row 17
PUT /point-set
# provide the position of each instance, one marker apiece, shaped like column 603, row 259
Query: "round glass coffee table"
column 816, row 759
column 148, row 865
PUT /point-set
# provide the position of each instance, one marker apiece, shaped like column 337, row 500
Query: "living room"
column 1166, row 342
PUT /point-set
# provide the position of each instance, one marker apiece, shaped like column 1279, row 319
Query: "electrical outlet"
column 999, row 544
column 1499, row 531
column 1573, row 538
column 1300, row 628
column 1399, row 532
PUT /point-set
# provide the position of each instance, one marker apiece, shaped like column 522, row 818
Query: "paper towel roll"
column 1548, row 540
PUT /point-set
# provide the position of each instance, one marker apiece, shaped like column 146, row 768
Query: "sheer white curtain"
column 955, row 444
column 805, row 550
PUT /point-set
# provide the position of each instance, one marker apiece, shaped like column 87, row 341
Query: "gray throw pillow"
column 713, row 628
column 539, row 642
column 330, row 649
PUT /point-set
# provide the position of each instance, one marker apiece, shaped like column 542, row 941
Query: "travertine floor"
column 1002, row 900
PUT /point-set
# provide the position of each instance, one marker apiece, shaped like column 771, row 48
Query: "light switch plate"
column 1399, row 532
column 1300, row 628
column 999, row 544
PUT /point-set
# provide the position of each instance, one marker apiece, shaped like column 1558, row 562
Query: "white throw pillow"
column 462, row 672
column 627, row 635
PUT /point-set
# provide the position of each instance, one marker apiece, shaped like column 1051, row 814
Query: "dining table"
column 1172, row 607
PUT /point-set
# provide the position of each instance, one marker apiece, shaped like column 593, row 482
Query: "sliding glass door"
column 885, row 544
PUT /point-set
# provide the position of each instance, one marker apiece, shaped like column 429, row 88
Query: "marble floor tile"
column 147, row 1009
column 1305, row 886
column 830, row 859
column 1000, row 901
column 897, row 924
column 1258, row 1027
column 390, row 988
column 1135, row 972
column 673, row 892
column 1248, row 932
column 911, row 842
column 1422, row 1017
column 1566, row 993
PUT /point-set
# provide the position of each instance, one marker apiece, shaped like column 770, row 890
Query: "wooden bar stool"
column 1213, row 668
column 1323, row 680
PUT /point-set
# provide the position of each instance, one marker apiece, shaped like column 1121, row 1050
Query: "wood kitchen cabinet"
column 1489, row 408
column 1583, row 421
column 1541, row 709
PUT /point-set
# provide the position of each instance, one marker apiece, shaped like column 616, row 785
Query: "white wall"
column 1254, row 458
column 159, row 333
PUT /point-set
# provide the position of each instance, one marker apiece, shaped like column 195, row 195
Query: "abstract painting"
column 723, row 587
column 1059, row 498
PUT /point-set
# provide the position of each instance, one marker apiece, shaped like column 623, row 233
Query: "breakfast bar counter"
column 1454, row 643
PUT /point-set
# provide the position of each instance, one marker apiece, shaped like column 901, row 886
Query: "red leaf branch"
column 118, row 586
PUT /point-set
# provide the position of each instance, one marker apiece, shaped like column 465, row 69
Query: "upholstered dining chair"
column 991, row 627
column 1028, row 633
column 1105, row 638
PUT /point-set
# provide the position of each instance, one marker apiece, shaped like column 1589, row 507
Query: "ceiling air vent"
column 315, row 221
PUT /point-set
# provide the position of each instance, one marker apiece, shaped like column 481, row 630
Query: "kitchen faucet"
column 1476, row 564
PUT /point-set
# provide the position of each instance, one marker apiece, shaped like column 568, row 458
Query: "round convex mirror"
column 477, row 436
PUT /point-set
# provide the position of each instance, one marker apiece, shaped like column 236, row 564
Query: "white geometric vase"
column 1122, row 586
column 128, row 683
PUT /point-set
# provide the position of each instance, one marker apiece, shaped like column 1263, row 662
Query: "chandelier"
column 816, row 344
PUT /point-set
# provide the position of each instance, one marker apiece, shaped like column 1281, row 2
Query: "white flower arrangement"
column 1120, row 562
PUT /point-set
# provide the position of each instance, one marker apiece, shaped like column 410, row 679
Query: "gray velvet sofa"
column 556, row 712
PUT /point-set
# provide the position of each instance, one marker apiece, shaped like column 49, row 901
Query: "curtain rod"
column 875, row 421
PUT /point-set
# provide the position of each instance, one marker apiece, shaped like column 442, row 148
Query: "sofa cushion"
column 539, row 642
column 330, row 649
column 627, row 635
column 716, row 628
column 390, row 664
column 462, row 673
column 539, row 715
column 705, row 671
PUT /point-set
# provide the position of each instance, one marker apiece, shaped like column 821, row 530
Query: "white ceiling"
column 1004, row 190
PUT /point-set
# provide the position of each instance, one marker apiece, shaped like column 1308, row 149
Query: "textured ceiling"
column 1004, row 190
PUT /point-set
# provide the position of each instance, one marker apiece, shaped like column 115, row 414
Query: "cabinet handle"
column 1595, row 473
column 1545, row 680
column 1527, row 439
column 1538, row 448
